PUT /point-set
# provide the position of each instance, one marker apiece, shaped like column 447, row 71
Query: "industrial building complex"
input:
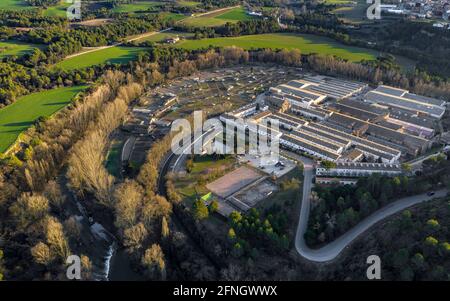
column 362, row 130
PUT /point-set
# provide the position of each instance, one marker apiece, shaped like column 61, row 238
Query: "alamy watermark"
column 74, row 269
column 374, row 10
column 74, row 11
column 374, row 270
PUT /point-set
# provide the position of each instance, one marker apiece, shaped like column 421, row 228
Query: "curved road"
column 333, row 249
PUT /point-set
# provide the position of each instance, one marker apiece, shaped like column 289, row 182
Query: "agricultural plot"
column 13, row 4
column 188, row 3
column 140, row 6
column 19, row 116
column 111, row 55
column 10, row 48
column 160, row 37
column 305, row 43
column 219, row 18
column 59, row 10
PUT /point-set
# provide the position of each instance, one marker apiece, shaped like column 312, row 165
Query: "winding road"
column 333, row 249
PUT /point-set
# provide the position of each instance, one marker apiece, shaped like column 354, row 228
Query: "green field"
column 136, row 7
column 17, row 117
column 188, row 3
column 159, row 37
column 306, row 43
column 112, row 55
column 113, row 158
column 52, row 11
column 172, row 16
column 337, row 2
column 59, row 10
column 13, row 4
column 219, row 18
column 16, row 48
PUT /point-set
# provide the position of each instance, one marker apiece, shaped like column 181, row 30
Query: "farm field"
column 16, row 48
column 159, row 37
column 172, row 16
column 337, row 2
column 17, row 117
column 188, row 3
column 136, row 7
column 232, row 15
column 59, row 10
column 13, row 4
column 306, row 43
column 111, row 55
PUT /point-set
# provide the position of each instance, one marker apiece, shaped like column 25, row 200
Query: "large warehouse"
column 394, row 97
column 312, row 90
column 327, row 118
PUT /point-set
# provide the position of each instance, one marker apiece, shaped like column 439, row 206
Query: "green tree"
column 214, row 206
column 328, row 164
column 231, row 234
column 200, row 210
column 235, row 217
column 406, row 167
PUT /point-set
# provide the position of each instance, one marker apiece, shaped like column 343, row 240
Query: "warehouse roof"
column 307, row 145
column 393, row 98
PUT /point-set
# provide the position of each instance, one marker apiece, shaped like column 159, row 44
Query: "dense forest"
column 336, row 209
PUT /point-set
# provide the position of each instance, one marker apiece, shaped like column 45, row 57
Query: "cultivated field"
column 111, row 55
column 59, row 10
column 19, row 116
column 13, row 4
column 306, row 43
column 16, row 48
column 159, row 37
column 188, row 3
column 218, row 18
column 136, row 7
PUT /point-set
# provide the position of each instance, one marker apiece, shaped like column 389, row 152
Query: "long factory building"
column 344, row 129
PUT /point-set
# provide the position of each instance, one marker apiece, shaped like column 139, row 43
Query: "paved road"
column 333, row 249
column 141, row 36
column 94, row 49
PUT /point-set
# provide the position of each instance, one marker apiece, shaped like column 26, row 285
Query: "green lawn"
column 113, row 159
column 306, row 43
column 16, row 48
column 17, row 117
column 219, row 18
column 112, row 55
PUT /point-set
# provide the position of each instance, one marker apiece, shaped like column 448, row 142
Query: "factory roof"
column 355, row 139
column 367, row 166
column 307, row 145
column 313, row 139
column 393, row 97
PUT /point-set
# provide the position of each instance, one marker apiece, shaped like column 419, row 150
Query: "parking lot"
column 273, row 166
